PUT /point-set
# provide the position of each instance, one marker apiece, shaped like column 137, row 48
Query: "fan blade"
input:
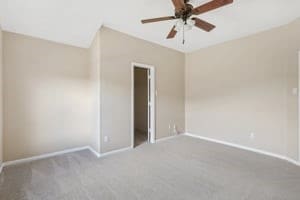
column 172, row 33
column 210, row 6
column 203, row 24
column 158, row 19
column 178, row 4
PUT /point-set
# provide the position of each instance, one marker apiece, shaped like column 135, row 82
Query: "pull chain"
column 183, row 40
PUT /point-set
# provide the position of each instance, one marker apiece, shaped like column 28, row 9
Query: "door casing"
column 298, row 106
column 152, row 95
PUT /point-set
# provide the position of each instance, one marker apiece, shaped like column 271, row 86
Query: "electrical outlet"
column 106, row 139
column 175, row 129
column 252, row 136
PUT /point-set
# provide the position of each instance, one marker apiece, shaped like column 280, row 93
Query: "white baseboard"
column 98, row 155
column 48, row 155
column 245, row 148
column 115, row 151
column 167, row 138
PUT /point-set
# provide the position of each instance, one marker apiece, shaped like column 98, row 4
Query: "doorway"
column 143, row 98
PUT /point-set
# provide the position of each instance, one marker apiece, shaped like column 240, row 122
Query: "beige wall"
column 141, row 99
column 245, row 86
column 1, row 100
column 53, row 93
column 118, row 51
column 47, row 97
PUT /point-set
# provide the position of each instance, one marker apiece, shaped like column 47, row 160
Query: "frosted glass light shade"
column 179, row 25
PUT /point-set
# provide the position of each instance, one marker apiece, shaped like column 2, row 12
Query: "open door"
column 151, row 106
column 299, row 106
column 143, row 104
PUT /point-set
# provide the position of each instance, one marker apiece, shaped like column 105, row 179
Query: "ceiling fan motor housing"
column 184, row 13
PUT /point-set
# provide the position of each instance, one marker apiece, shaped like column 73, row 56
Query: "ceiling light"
column 179, row 25
column 188, row 27
column 191, row 22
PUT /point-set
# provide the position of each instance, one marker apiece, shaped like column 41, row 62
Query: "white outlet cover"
column 295, row 91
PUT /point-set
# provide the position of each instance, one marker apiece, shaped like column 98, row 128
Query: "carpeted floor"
column 180, row 168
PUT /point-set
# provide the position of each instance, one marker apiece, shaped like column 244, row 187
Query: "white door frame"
column 298, row 106
column 152, row 95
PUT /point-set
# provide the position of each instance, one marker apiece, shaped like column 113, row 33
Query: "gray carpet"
column 181, row 168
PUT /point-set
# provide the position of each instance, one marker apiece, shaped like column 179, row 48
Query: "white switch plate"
column 295, row 91
column 105, row 138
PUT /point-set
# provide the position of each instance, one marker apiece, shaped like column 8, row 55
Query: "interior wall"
column 141, row 99
column 1, row 100
column 94, row 74
column 118, row 51
column 47, row 97
column 52, row 92
column 246, row 86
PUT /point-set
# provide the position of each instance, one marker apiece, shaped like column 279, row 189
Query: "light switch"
column 106, row 139
column 295, row 91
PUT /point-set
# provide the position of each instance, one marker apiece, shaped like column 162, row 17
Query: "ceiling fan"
column 184, row 11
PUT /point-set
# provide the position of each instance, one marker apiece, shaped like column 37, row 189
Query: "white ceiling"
column 75, row 22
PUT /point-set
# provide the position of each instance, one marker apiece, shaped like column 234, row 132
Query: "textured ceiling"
column 75, row 22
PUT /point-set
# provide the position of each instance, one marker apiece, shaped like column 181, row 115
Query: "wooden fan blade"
column 158, row 19
column 203, row 24
column 172, row 33
column 210, row 6
column 178, row 4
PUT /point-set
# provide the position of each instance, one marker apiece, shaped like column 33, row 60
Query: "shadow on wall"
column 242, row 91
column 48, row 97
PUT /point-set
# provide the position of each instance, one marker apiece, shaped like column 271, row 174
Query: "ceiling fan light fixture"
column 179, row 25
column 191, row 22
column 188, row 27
column 184, row 13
